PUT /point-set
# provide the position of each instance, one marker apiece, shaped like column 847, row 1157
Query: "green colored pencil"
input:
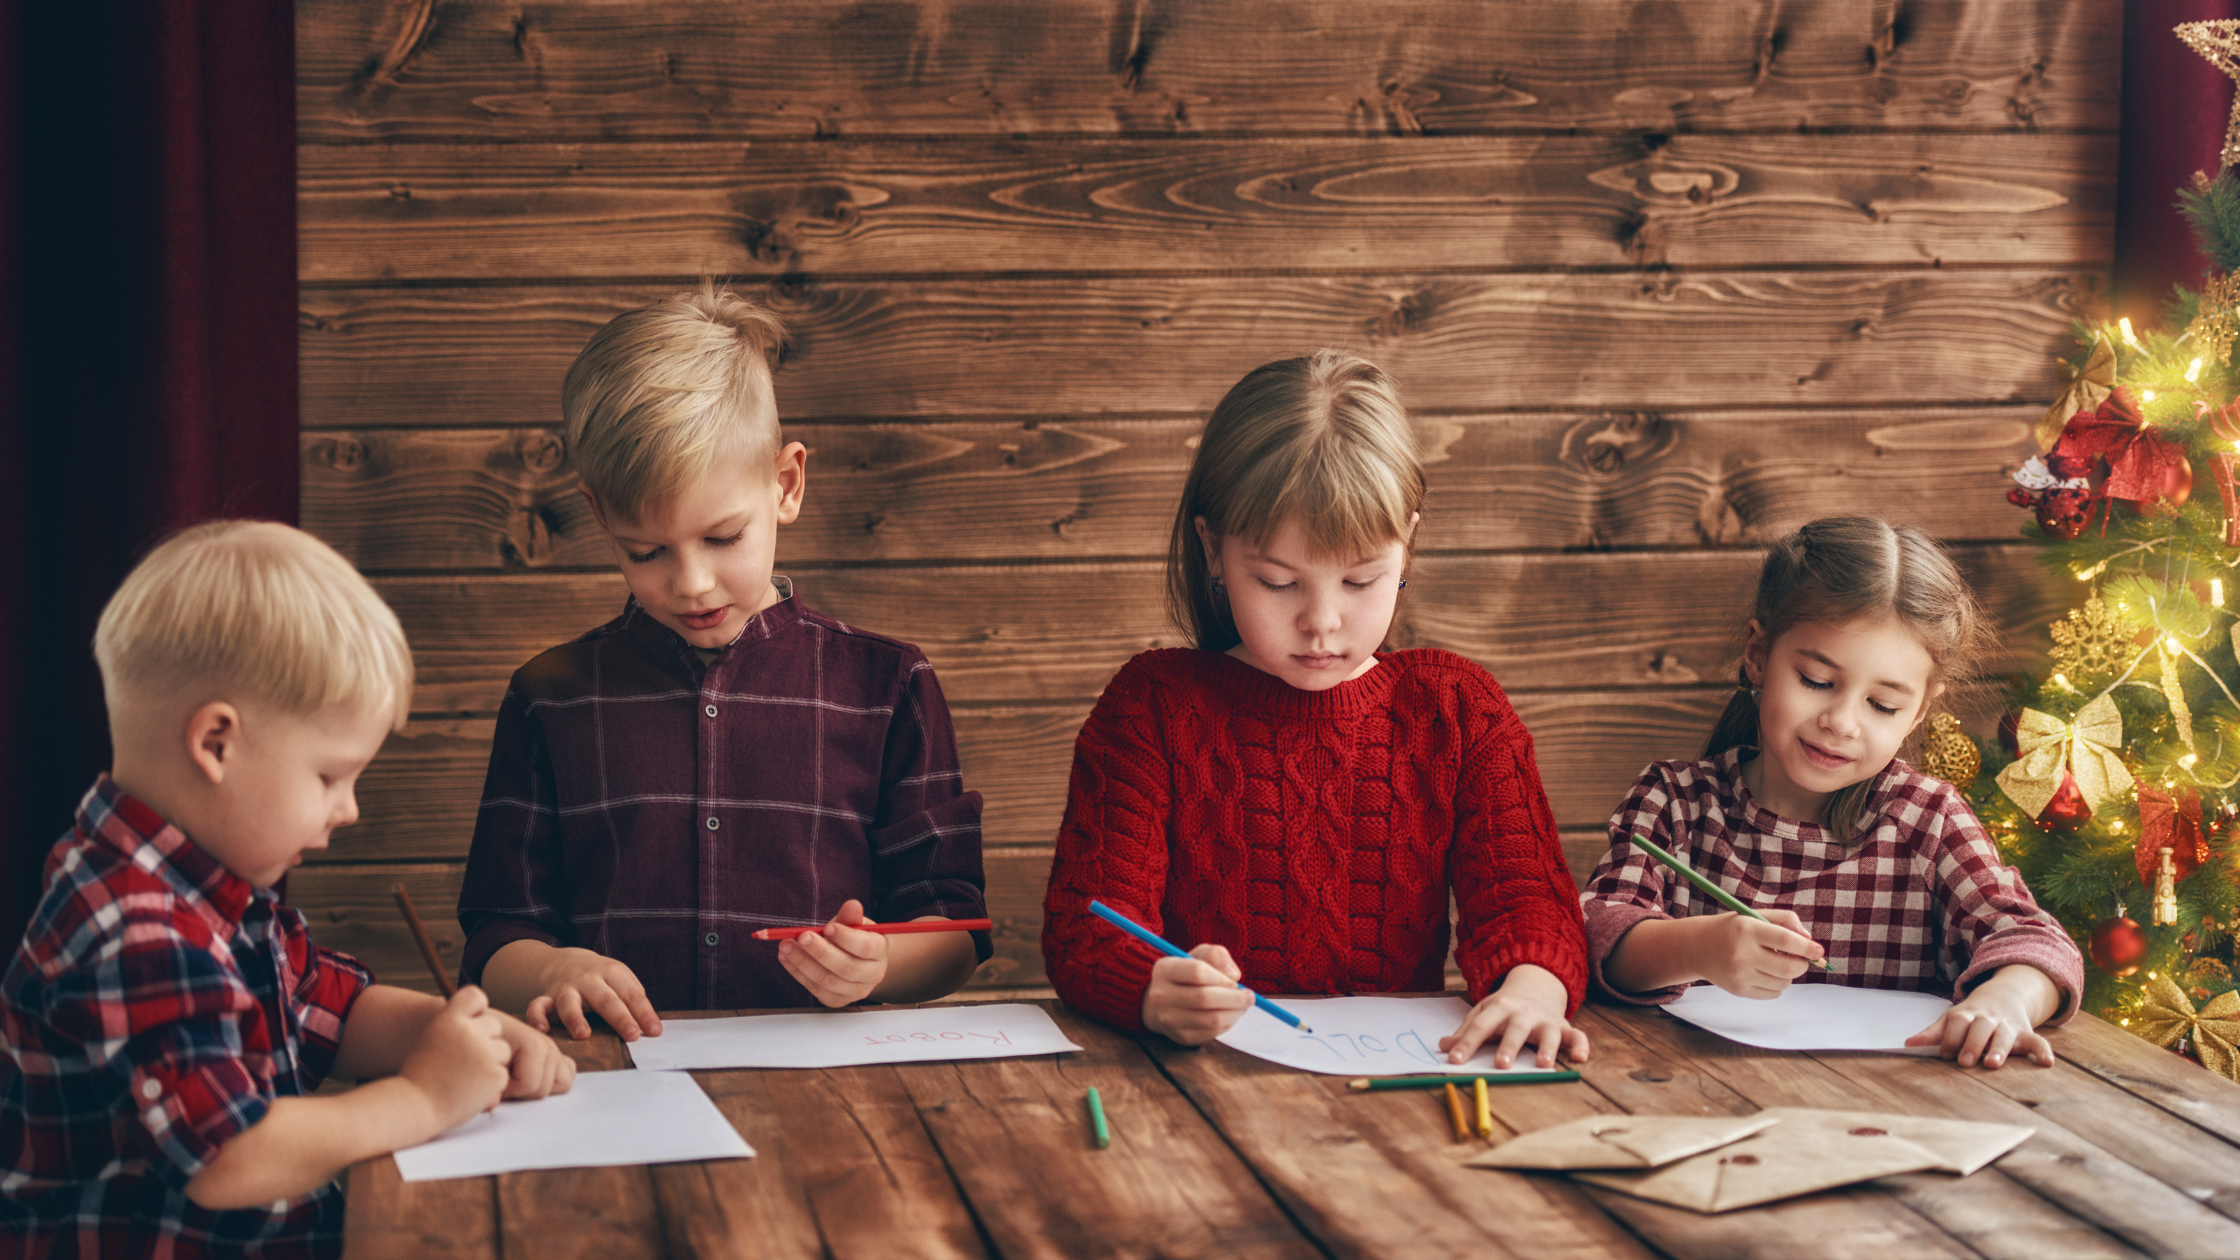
column 1709, row 889
column 1433, row 1082
column 1096, row 1117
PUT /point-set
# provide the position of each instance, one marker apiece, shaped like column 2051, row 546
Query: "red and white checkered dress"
column 1918, row 900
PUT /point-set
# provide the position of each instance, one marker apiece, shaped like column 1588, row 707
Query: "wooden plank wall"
column 1660, row 281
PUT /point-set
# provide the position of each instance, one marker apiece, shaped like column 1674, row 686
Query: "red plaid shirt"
column 157, row 1006
column 1918, row 899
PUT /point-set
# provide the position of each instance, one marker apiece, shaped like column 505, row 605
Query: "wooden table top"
column 1218, row 1154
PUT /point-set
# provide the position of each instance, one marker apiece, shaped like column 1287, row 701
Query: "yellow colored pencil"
column 1454, row 1111
column 1485, row 1110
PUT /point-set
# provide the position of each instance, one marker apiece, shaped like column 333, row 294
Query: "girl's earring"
column 1403, row 584
column 1218, row 588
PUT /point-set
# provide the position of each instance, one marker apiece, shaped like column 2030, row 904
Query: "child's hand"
column 538, row 1067
column 1528, row 1007
column 1755, row 959
column 459, row 1062
column 840, row 965
column 1193, row 1000
column 576, row 978
column 1995, row 1020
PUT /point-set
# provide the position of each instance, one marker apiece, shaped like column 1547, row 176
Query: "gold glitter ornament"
column 2175, row 694
column 1950, row 755
column 2095, row 641
column 2216, row 321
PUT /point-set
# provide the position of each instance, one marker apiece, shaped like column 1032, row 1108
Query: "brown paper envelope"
column 1621, row 1141
column 1962, row 1146
column 1797, row 1156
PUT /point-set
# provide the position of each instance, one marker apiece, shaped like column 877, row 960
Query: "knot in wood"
column 1649, row 1076
column 342, row 454
column 540, row 452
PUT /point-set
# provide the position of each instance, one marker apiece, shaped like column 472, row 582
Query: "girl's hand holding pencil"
column 1193, row 1000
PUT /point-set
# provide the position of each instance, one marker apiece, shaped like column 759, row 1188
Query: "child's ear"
column 1928, row 706
column 1211, row 543
column 1754, row 653
column 793, row 480
column 598, row 513
column 213, row 735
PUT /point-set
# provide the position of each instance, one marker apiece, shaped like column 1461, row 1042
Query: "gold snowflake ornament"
column 2095, row 641
column 2216, row 322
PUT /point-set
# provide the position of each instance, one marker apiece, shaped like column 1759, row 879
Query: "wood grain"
column 1379, row 1175
column 389, row 1219
column 2090, row 1183
column 505, row 499
column 1016, row 1136
column 1009, row 635
column 2152, row 1073
column 1009, row 67
column 501, row 211
column 1031, row 348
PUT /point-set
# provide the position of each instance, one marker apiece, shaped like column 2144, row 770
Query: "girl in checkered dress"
column 1801, row 808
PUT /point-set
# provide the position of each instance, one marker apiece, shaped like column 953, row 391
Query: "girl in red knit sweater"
column 1286, row 801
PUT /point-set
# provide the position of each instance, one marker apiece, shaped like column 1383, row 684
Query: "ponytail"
column 1738, row 722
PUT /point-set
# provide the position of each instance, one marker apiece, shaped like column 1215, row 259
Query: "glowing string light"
column 2146, row 395
column 2129, row 338
column 2216, row 592
column 2193, row 371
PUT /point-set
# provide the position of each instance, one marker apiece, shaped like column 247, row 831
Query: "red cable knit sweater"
column 1313, row 833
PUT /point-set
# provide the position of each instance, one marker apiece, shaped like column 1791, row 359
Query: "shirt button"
column 151, row 1090
column 711, row 710
column 710, row 938
column 713, row 824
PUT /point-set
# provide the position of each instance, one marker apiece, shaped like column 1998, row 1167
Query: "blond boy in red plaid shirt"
column 166, row 1019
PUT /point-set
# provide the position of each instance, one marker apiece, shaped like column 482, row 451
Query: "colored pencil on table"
column 1096, row 1117
column 1709, row 889
column 1148, row 937
column 881, row 929
column 1360, row 1083
column 427, row 947
column 1454, row 1112
column 1485, row 1108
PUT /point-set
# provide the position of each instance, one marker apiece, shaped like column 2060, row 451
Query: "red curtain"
column 148, row 310
column 2174, row 109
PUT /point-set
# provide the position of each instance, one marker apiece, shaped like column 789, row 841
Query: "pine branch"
column 2214, row 213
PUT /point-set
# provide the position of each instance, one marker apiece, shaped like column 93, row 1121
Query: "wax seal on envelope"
column 1621, row 1141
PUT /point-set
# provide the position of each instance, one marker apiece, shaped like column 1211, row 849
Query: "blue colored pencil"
column 1144, row 934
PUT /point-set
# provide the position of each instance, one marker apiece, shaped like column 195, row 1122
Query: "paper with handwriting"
column 1366, row 1036
column 608, row 1118
column 1815, row 1017
column 826, row 1039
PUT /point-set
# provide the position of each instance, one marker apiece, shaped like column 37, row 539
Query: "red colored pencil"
column 883, row 929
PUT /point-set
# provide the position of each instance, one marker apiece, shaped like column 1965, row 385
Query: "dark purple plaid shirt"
column 659, row 810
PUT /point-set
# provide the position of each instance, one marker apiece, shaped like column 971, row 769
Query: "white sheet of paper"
column 1815, row 1017
column 1364, row 1036
column 608, row 1118
column 847, row 1038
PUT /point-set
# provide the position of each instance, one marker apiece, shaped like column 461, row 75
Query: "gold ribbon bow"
column 2082, row 389
column 2085, row 748
column 2169, row 1015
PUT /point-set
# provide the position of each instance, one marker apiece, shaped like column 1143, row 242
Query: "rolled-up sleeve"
column 1627, row 887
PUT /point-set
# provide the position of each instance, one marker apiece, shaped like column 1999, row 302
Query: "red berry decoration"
column 2117, row 946
column 2065, row 513
column 2067, row 810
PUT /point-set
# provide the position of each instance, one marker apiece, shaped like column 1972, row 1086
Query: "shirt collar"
column 1770, row 823
column 649, row 633
column 113, row 817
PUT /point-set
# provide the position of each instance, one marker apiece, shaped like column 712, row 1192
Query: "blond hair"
column 1323, row 438
column 1844, row 567
column 257, row 606
column 663, row 391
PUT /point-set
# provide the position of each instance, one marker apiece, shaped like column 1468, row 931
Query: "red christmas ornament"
column 2172, row 822
column 2117, row 946
column 2225, row 423
column 2063, row 514
column 2067, row 810
column 2145, row 469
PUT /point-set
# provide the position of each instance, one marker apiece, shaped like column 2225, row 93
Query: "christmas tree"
column 2115, row 780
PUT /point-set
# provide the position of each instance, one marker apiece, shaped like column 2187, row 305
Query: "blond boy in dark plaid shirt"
column 718, row 758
